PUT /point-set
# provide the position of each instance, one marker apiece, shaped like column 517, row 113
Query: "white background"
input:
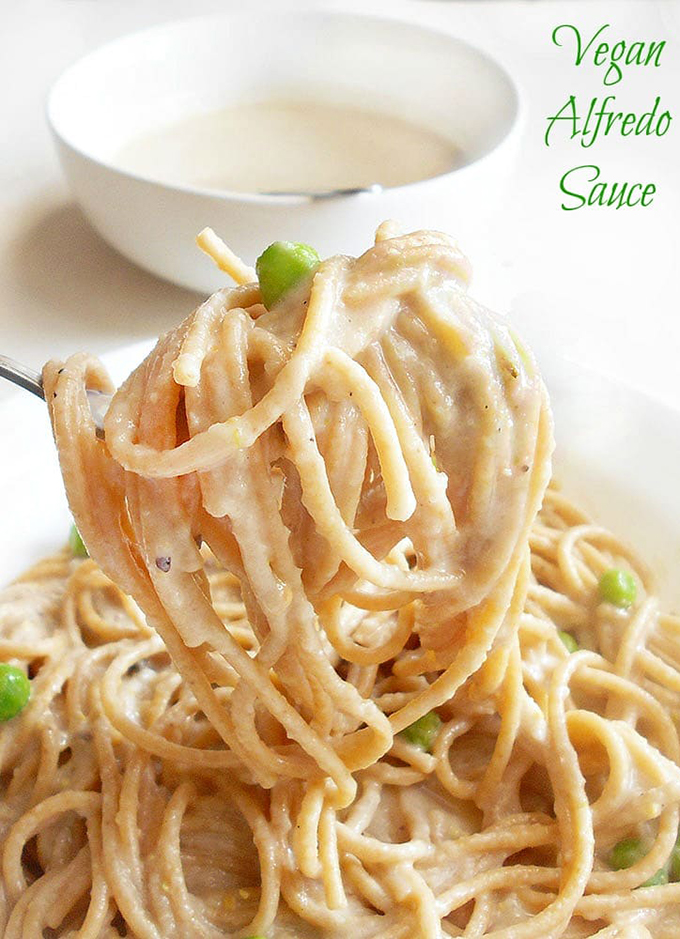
column 599, row 286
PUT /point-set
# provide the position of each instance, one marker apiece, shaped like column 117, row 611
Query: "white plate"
column 618, row 456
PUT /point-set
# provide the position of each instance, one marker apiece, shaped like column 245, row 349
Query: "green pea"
column 618, row 587
column 629, row 852
column 281, row 266
column 423, row 732
column 76, row 544
column 675, row 861
column 656, row 880
column 15, row 690
column 626, row 853
column 570, row 644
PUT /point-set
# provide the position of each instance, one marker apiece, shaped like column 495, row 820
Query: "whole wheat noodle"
column 326, row 515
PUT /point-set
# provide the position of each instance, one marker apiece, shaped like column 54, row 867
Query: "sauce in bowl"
column 289, row 146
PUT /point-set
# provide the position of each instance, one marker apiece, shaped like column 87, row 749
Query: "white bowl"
column 176, row 70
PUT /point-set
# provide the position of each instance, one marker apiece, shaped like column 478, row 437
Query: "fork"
column 31, row 381
column 21, row 375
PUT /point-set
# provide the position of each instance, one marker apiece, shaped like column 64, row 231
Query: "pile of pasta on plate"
column 328, row 650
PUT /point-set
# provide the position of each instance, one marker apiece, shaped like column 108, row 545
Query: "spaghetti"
column 326, row 515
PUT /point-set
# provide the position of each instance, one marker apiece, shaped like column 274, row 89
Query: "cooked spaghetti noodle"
column 327, row 516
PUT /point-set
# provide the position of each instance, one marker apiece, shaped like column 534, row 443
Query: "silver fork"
column 31, row 381
column 21, row 375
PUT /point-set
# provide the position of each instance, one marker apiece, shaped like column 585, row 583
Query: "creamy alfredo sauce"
column 280, row 146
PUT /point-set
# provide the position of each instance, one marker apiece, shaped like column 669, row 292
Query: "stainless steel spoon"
column 372, row 189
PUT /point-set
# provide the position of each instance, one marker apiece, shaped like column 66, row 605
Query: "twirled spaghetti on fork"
column 345, row 692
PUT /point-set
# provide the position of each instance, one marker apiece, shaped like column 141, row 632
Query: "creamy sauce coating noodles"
column 334, row 522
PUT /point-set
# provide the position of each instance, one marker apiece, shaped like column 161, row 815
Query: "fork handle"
column 21, row 375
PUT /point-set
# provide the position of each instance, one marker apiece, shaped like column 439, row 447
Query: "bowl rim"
column 492, row 64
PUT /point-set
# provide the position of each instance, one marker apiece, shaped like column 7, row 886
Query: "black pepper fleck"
column 163, row 564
